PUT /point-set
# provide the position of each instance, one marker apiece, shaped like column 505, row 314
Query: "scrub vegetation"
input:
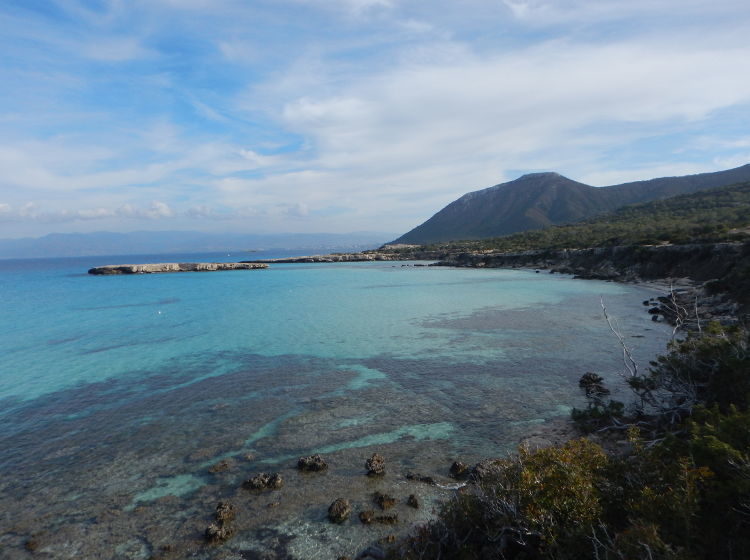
column 678, row 489
column 710, row 216
column 674, row 480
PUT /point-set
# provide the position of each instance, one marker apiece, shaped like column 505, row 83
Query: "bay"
column 118, row 394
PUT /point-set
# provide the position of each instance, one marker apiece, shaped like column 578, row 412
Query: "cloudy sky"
column 349, row 115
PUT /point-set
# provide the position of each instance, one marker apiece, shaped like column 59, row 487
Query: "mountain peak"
column 541, row 175
column 538, row 200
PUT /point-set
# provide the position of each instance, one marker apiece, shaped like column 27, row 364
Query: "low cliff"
column 700, row 262
column 155, row 268
column 380, row 255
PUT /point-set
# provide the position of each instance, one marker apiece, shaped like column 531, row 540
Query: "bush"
column 538, row 502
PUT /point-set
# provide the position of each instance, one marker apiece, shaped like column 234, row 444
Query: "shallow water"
column 117, row 394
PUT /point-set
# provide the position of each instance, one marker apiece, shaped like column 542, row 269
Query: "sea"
column 132, row 405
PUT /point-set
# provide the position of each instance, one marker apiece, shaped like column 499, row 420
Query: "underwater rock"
column 264, row 481
column 224, row 512
column 312, row 463
column 384, row 501
column 412, row 501
column 459, row 469
column 339, row 510
column 375, row 465
column 276, row 481
column 217, row 532
column 421, row 478
column 368, row 517
column 222, row 466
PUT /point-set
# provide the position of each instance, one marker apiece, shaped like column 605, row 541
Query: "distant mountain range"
column 538, row 200
column 175, row 242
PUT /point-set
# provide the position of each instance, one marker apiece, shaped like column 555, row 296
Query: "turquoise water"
column 118, row 393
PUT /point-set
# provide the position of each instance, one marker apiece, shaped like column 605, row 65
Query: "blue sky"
column 348, row 115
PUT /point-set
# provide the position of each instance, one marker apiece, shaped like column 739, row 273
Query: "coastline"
column 268, row 506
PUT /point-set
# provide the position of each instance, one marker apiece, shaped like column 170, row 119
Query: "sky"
column 266, row 116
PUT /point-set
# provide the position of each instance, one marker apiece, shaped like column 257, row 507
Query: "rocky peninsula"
column 157, row 268
column 382, row 254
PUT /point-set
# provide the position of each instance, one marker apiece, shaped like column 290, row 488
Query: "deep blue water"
column 118, row 393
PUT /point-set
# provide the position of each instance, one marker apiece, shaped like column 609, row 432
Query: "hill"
column 710, row 216
column 539, row 200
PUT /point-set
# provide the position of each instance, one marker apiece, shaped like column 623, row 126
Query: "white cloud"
column 115, row 49
column 390, row 109
column 155, row 211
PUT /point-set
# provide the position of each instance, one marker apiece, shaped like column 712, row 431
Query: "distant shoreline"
column 159, row 268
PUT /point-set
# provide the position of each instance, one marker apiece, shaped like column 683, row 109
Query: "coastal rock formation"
column 421, row 478
column 629, row 263
column 217, row 532
column 384, row 501
column 222, row 466
column 485, row 469
column 339, row 510
column 459, row 469
column 368, row 517
column 155, row 268
column 224, row 512
column 384, row 254
column 375, row 465
column 264, row 481
column 312, row 463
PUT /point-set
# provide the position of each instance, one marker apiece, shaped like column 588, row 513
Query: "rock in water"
column 339, row 510
column 275, row 482
column 224, row 512
column 384, row 501
column 375, row 465
column 459, row 469
column 312, row 463
column 413, row 501
column 264, row 481
column 421, row 478
column 222, row 466
column 217, row 532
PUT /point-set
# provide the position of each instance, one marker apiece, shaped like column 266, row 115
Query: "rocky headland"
column 366, row 256
column 156, row 268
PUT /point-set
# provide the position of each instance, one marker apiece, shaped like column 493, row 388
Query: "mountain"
column 538, row 200
column 175, row 242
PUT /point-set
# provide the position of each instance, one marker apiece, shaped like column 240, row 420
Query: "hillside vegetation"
column 675, row 483
column 715, row 215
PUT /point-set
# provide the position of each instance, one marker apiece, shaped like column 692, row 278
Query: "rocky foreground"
column 156, row 268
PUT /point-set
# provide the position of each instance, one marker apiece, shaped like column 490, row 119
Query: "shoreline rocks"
column 375, row 465
column 158, row 268
column 264, row 481
column 312, row 463
column 339, row 510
